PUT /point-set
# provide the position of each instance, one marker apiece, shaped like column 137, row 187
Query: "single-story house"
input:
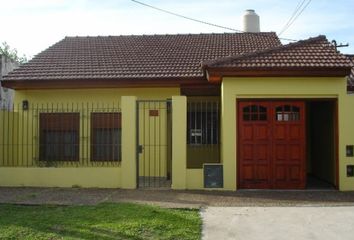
column 221, row 111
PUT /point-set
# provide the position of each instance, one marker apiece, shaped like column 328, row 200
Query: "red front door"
column 271, row 144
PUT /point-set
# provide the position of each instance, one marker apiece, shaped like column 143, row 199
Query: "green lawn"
column 104, row 221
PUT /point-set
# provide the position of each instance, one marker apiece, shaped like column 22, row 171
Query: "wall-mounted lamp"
column 25, row 105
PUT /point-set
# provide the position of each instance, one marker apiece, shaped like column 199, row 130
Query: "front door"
column 271, row 144
column 154, row 158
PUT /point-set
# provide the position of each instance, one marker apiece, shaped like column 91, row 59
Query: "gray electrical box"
column 213, row 176
column 350, row 151
column 350, row 170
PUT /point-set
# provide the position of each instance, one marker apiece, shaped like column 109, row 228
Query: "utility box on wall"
column 213, row 176
column 350, row 170
column 350, row 151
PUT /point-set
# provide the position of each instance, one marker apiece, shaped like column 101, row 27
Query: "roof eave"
column 215, row 74
column 102, row 83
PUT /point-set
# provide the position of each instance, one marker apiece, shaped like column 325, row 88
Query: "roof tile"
column 147, row 56
column 351, row 76
column 313, row 53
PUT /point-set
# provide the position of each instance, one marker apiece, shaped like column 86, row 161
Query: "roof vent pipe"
column 251, row 21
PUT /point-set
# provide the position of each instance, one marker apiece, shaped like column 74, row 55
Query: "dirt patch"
column 175, row 199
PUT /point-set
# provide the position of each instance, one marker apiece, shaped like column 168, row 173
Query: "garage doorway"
column 321, row 135
column 271, row 144
column 287, row 144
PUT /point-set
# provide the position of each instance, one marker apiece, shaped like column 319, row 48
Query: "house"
column 6, row 95
column 188, row 111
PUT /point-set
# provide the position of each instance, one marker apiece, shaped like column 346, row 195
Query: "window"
column 105, row 136
column 203, row 123
column 287, row 113
column 254, row 113
column 59, row 136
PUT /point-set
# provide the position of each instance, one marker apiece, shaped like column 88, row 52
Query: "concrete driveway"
column 272, row 223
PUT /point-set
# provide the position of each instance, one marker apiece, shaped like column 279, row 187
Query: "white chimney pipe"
column 251, row 21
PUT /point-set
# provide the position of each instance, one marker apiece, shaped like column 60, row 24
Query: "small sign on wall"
column 196, row 132
column 154, row 113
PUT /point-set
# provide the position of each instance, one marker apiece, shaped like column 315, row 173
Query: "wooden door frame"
column 306, row 100
column 336, row 141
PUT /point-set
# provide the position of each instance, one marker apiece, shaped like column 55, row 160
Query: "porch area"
column 126, row 144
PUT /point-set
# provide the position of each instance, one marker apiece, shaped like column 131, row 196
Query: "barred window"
column 105, row 136
column 59, row 136
column 203, row 123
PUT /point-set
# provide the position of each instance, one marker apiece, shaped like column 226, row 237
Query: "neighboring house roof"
column 314, row 57
column 137, row 57
column 351, row 76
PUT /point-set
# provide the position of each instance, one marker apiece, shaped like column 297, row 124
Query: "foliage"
column 103, row 221
column 6, row 50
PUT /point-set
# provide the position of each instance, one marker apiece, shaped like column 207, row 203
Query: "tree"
column 6, row 50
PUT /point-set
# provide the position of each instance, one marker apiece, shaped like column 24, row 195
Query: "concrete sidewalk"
column 174, row 198
column 273, row 223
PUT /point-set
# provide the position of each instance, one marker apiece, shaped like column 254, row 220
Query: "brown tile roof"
column 311, row 53
column 351, row 76
column 137, row 57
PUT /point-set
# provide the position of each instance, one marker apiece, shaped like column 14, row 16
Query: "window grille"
column 59, row 136
column 106, row 136
column 203, row 123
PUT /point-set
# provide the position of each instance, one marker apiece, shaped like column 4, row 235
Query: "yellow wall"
column 128, row 166
column 282, row 88
column 179, row 142
column 346, row 137
column 195, row 179
column 100, row 95
column 76, row 99
column 91, row 177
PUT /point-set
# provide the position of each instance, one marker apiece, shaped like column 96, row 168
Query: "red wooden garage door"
column 271, row 144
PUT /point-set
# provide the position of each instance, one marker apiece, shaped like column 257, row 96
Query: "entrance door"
column 271, row 144
column 154, row 156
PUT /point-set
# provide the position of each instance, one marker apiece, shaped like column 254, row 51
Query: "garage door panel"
column 295, row 152
column 280, row 152
column 295, row 132
column 294, row 173
column 247, row 133
column 279, row 172
column 247, row 172
column 261, row 132
column 247, row 152
column 279, row 132
column 262, row 152
column 263, row 173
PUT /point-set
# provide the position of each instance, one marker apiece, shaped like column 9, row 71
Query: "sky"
column 31, row 26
